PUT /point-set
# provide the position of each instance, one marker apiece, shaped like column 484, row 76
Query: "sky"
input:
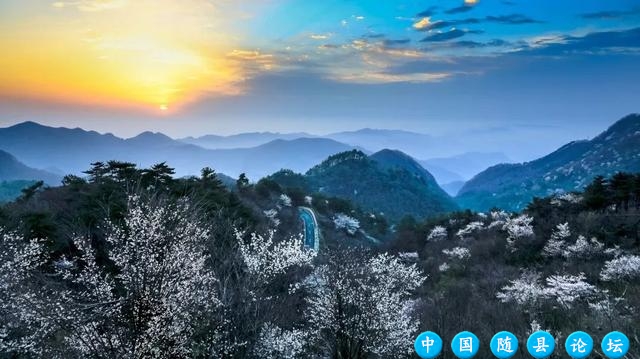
column 543, row 72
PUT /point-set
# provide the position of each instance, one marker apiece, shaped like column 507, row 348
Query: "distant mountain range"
column 465, row 165
column 570, row 168
column 457, row 168
column 11, row 170
column 242, row 140
column 72, row 150
column 388, row 181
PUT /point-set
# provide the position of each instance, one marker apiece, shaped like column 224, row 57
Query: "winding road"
column 311, row 230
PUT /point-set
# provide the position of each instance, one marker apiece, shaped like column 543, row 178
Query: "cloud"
column 441, row 24
column 449, row 35
column 468, row 5
column 422, row 23
column 396, row 42
column 385, row 78
column 611, row 15
column 328, row 47
column 90, row 5
column 459, row 9
column 252, row 61
column 513, row 19
column 319, row 36
column 468, row 44
column 428, row 12
column 624, row 41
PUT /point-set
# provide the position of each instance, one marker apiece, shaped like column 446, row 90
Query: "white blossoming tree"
column 621, row 269
column 265, row 258
column 285, row 200
column 277, row 343
column 470, row 229
column 438, row 233
column 457, row 253
column 556, row 246
column 349, row 224
column 146, row 305
column 266, row 261
column 567, row 289
column 363, row 306
column 518, row 229
column 528, row 290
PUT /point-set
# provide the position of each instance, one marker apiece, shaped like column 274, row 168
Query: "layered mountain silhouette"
column 12, row 170
column 570, row 168
column 241, row 140
column 388, row 182
column 72, row 150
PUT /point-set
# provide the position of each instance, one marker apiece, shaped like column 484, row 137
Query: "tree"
column 595, row 195
column 150, row 305
column 242, row 182
column 97, row 172
column 29, row 192
column 621, row 185
column 359, row 306
column 159, row 175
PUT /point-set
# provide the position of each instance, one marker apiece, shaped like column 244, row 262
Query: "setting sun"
column 143, row 61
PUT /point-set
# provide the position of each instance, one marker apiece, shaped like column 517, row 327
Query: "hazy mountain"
column 11, row 170
column 416, row 144
column 452, row 188
column 242, row 140
column 388, row 181
column 570, row 168
column 465, row 165
column 442, row 175
column 298, row 155
column 72, row 150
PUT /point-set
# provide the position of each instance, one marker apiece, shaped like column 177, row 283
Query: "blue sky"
column 538, row 71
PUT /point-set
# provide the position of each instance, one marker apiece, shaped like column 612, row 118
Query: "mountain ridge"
column 11, row 169
column 569, row 168
column 388, row 182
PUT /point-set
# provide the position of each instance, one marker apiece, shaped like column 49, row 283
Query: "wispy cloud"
column 512, row 19
column 90, row 5
column 396, row 42
column 319, row 36
column 449, row 35
column 468, row 5
column 384, row 78
column 422, row 23
column 428, row 12
column 611, row 14
column 442, row 24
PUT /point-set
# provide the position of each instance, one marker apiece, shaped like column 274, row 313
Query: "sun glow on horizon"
column 121, row 53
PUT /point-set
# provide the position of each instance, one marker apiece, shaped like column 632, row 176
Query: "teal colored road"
column 311, row 235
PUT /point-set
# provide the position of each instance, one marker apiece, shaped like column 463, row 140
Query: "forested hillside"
column 134, row 263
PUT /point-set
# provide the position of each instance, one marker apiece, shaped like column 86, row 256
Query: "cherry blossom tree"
column 518, row 228
column 147, row 305
column 438, row 233
column 556, row 246
column 470, row 229
column 566, row 289
column 459, row 253
column 349, row 224
column 265, row 259
column 624, row 268
column 358, row 306
column 277, row 343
